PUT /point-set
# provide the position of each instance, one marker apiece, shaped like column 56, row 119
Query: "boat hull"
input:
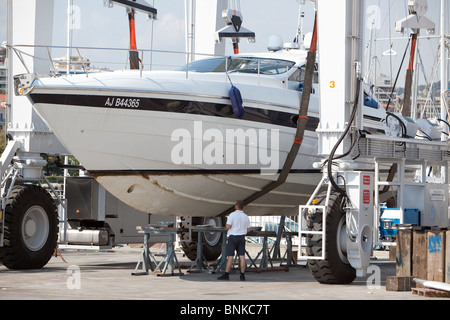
column 186, row 194
column 177, row 163
column 175, row 147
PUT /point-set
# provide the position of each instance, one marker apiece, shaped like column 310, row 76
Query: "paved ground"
column 107, row 276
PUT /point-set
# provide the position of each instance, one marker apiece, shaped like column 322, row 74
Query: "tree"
column 2, row 141
column 51, row 168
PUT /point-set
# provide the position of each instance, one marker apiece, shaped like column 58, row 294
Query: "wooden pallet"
column 430, row 292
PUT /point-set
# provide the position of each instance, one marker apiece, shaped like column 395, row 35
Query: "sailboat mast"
column 69, row 34
column 444, row 80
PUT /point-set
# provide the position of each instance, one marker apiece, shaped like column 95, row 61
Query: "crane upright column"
column 340, row 60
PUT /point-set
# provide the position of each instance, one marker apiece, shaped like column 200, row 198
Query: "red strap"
column 313, row 46
column 236, row 47
column 413, row 52
column 298, row 140
column 131, row 21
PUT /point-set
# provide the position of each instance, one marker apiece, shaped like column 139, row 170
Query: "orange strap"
column 131, row 22
column 298, row 140
column 236, row 47
column 413, row 52
column 313, row 46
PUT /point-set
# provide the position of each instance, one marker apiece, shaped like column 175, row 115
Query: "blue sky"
column 108, row 27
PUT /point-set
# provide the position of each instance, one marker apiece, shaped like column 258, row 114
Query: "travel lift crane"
column 340, row 221
column 202, row 16
column 351, row 227
column 234, row 29
column 132, row 6
column 28, row 216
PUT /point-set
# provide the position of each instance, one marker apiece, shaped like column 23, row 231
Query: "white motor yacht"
column 172, row 143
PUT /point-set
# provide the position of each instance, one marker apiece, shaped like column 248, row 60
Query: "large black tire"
column 212, row 242
column 31, row 228
column 335, row 269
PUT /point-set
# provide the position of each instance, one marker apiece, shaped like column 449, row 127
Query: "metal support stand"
column 264, row 253
column 276, row 247
column 288, row 256
column 146, row 259
column 169, row 260
column 223, row 257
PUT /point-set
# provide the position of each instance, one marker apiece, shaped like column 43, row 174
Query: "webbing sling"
column 301, row 125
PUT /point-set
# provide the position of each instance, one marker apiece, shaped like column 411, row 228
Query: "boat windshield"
column 241, row 65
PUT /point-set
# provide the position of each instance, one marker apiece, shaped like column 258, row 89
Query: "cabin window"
column 261, row 66
column 241, row 65
column 206, row 65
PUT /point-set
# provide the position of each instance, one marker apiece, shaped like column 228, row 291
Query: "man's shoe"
column 242, row 277
column 224, row 277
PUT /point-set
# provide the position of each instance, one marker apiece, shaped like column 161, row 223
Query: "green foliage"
column 2, row 141
column 53, row 170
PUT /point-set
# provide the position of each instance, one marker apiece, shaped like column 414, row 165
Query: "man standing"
column 238, row 225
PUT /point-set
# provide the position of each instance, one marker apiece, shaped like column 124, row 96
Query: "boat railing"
column 44, row 52
column 115, row 56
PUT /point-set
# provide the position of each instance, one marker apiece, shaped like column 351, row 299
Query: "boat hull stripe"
column 273, row 117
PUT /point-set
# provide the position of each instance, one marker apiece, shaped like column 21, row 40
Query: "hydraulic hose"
column 336, row 146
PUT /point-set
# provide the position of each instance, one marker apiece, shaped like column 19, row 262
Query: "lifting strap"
column 134, row 55
column 409, row 78
column 301, row 125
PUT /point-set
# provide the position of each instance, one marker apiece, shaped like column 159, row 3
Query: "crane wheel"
column 335, row 269
column 31, row 228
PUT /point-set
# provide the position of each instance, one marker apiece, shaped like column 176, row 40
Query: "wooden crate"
column 404, row 253
column 436, row 255
column 419, row 254
column 394, row 283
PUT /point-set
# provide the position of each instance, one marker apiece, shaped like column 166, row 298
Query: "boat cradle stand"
column 264, row 253
column 288, row 259
column 201, row 264
column 168, row 261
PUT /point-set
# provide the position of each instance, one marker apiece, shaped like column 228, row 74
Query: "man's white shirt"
column 239, row 223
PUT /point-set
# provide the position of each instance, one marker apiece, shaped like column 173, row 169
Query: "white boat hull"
column 127, row 139
column 130, row 153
